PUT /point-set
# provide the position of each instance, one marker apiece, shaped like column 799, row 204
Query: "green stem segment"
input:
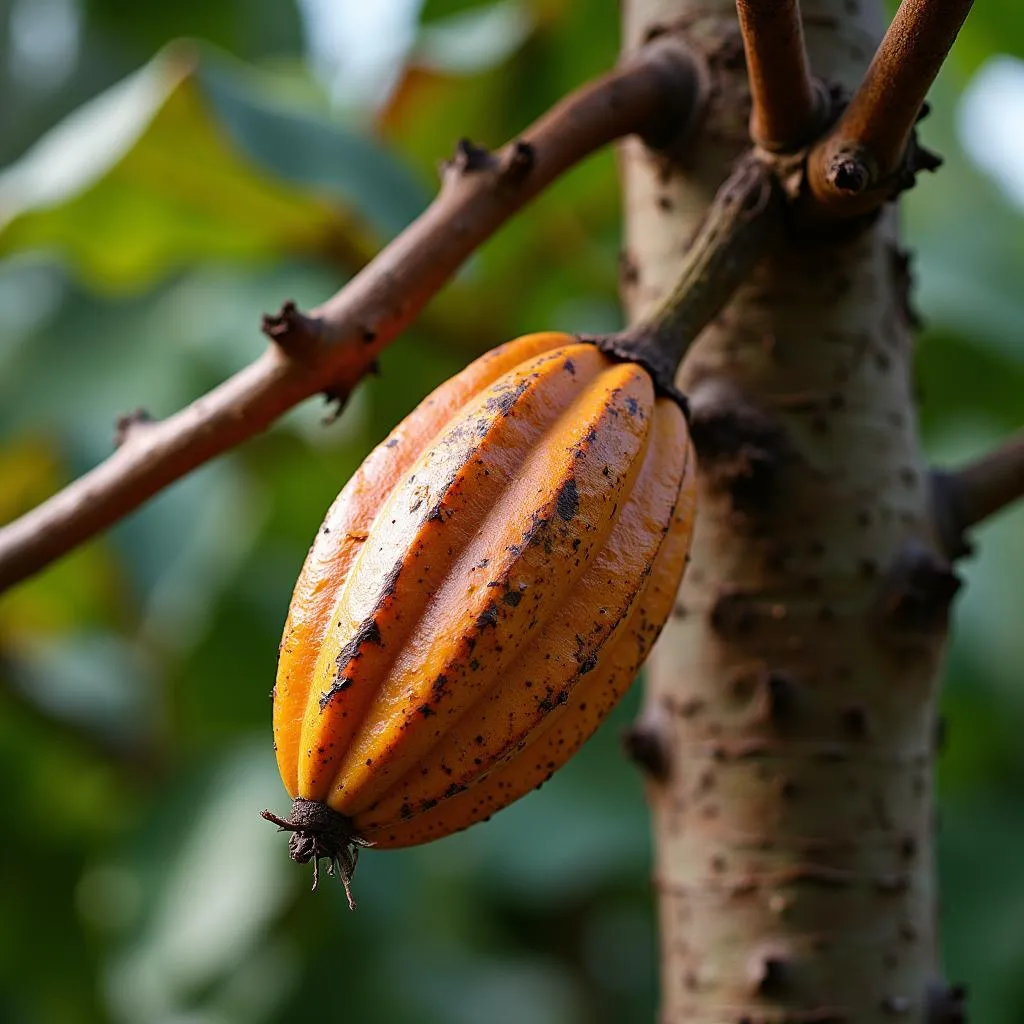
column 744, row 220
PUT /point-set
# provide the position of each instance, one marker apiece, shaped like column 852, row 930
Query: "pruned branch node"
column 647, row 747
column 127, row 425
column 294, row 333
column 918, row 590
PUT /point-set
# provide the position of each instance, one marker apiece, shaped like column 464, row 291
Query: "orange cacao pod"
column 480, row 595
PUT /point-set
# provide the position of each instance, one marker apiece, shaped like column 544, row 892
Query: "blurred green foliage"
column 142, row 239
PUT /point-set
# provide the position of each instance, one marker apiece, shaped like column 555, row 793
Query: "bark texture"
column 790, row 701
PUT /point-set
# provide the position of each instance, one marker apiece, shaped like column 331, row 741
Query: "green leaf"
column 248, row 28
column 435, row 10
column 189, row 159
column 968, row 240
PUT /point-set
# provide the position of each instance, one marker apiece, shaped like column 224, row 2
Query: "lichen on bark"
column 794, row 687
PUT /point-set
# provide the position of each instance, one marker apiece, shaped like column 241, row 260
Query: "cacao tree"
column 787, row 730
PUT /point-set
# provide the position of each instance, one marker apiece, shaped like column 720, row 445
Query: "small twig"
column 965, row 497
column 335, row 345
column 851, row 171
column 786, row 107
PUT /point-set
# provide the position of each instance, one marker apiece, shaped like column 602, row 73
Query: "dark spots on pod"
column 426, row 805
column 570, row 367
column 474, row 664
column 368, row 633
column 482, row 564
column 633, row 406
column 426, row 710
column 590, row 663
column 502, row 401
column 488, row 617
column 551, row 699
column 405, row 811
column 440, row 686
column 512, row 597
column 454, row 789
column 391, row 443
column 338, row 686
column 568, row 503
column 389, row 584
column 537, row 534
column 478, row 740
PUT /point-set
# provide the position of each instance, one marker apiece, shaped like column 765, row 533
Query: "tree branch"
column 745, row 217
column 966, row 496
column 855, row 168
column 786, row 108
column 656, row 95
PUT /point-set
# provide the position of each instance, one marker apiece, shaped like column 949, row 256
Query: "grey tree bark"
column 792, row 695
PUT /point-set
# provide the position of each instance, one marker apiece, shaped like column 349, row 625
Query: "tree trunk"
column 789, row 712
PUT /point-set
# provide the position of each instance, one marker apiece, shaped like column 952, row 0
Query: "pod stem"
column 743, row 221
column 321, row 833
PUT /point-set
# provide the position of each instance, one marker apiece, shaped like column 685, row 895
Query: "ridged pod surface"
column 480, row 595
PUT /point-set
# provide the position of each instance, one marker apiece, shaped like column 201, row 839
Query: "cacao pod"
column 479, row 597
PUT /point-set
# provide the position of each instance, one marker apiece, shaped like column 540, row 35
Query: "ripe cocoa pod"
column 480, row 595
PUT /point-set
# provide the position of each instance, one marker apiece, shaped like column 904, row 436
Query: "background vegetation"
column 138, row 246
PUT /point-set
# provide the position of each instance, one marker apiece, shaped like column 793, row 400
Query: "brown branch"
column 655, row 95
column 965, row 497
column 854, row 169
column 786, row 107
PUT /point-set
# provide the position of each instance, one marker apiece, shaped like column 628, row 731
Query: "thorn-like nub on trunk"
column 647, row 748
column 946, row 1004
column 917, row 590
column 319, row 833
column 740, row 448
